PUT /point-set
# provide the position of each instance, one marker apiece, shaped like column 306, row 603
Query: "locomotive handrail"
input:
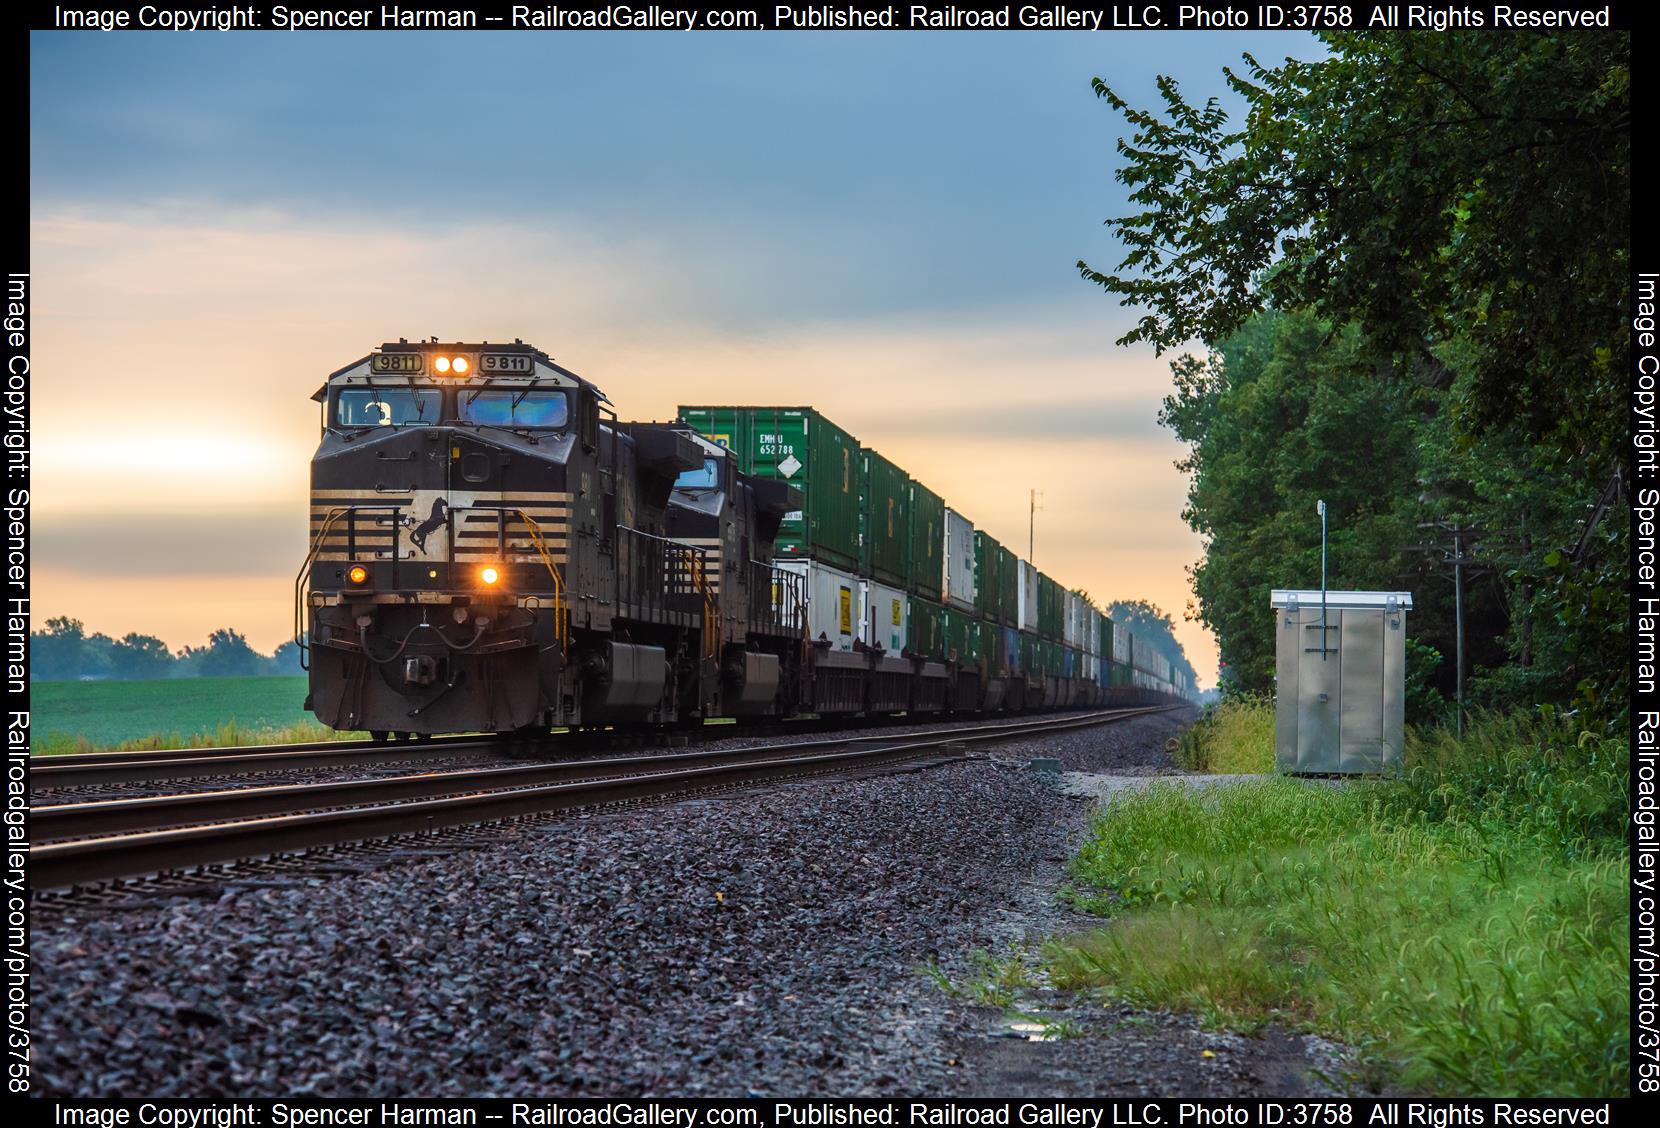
column 539, row 540
column 301, row 581
column 711, row 613
column 694, row 557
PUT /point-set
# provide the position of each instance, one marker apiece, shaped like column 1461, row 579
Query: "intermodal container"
column 886, row 623
column 835, row 611
column 810, row 452
column 1008, row 578
column 1051, row 612
column 1031, row 654
column 928, row 542
column 927, row 628
column 964, row 640
column 1123, row 645
column 960, row 562
column 988, row 576
column 1026, row 616
column 884, row 519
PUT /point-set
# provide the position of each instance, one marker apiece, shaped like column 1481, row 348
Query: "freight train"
column 493, row 550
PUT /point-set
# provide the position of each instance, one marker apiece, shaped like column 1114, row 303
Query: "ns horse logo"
column 435, row 521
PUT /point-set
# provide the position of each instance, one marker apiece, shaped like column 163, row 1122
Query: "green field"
column 175, row 713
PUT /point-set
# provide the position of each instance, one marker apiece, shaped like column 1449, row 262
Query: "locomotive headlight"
column 357, row 574
column 489, row 574
column 460, row 365
column 441, row 364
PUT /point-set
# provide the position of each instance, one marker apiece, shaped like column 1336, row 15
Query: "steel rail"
column 58, row 821
column 87, row 860
column 128, row 768
column 37, row 762
column 88, row 769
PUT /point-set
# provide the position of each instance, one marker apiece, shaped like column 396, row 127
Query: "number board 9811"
column 400, row 364
column 506, row 364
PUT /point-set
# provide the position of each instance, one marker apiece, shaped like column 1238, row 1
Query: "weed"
column 1467, row 921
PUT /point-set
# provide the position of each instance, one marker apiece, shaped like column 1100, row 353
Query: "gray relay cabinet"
column 1340, row 694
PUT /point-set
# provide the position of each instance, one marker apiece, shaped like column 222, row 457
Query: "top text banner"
column 1284, row 16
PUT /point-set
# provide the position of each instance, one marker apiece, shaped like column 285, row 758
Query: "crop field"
column 76, row 716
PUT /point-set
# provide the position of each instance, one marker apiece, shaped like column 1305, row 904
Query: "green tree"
column 1286, row 413
column 58, row 652
column 1424, row 186
column 286, row 659
column 1453, row 213
column 140, row 656
column 227, row 654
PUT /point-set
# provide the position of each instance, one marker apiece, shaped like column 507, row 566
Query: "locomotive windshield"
column 704, row 479
column 387, row 407
column 523, row 408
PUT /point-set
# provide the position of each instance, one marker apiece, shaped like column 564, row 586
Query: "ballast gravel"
column 757, row 943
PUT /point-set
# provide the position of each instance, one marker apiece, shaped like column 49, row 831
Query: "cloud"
column 116, row 545
column 176, row 353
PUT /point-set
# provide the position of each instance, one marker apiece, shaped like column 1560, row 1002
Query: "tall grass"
column 230, row 734
column 1236, row 737
column 1465, row 925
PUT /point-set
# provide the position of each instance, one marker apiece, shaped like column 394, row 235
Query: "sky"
column 883, row 226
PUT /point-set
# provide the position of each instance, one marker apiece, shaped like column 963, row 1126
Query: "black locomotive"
column 492, row 550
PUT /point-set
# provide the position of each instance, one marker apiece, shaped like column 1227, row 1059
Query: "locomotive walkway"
column 90, row 842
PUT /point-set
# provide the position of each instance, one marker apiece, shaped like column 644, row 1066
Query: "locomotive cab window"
column 523, row 408
column 387, row 407
column 706, row 478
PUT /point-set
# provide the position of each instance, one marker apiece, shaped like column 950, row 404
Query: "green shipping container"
column 884, row 520
column 804, row 448
column 964, row 637
column 988, row 586
column 996, row 581
column 927, row 550
column 927, row 626
column 1008, row 578
column 1050, row 608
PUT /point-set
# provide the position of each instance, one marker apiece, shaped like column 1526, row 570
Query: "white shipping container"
column 959, row 585
column 1092, row 631
column 835, row 602
column 1027, row 618
column 1069, row 618
column 887, row 616
column 1121, row 645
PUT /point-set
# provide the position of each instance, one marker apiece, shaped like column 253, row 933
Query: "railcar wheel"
column 381, row 735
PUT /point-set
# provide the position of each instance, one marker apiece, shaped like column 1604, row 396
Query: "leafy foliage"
column 1425, row 186
column 1409, row 260
column 63, row 651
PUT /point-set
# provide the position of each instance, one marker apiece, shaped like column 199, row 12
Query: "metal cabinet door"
column 1362, row 673
column 1288, row 659
column 1318, row 682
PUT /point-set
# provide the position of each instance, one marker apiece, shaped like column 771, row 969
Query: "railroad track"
column 89, row 842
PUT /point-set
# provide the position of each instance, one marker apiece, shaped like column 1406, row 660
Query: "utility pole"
column 1462, row 537
column 1458, row 614
column 1321, row 505
column 1031, row 528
